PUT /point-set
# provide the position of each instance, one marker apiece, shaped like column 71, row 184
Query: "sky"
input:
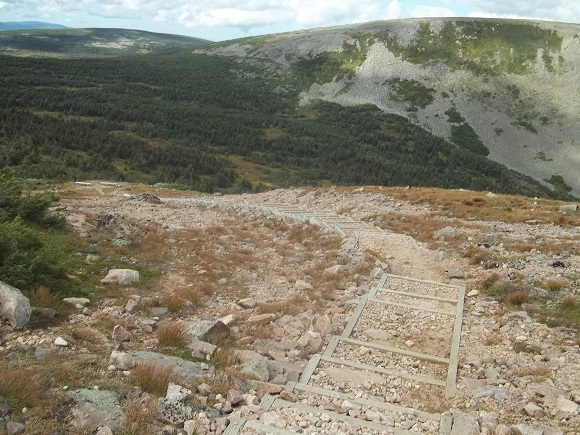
column 219, row 20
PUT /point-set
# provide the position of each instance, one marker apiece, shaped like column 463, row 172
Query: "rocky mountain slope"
column 503, row 87
column 65, row 42
column 233, row 299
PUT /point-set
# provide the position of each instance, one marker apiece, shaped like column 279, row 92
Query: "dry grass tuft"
column 477, row 255
column 516, row 298
column 552, row 284
column 172, row 334
column 173, row 301
column 291, row 306
column 153, row 378
column 22, row 386
column 488, row 281
column 43, row 297
column 570, row 302
column 140, row 417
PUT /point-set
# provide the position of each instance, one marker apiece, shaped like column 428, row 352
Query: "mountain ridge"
column 520, row 96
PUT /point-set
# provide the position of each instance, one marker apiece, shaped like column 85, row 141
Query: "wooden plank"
column 390, row 372
column 454, row 355
column 445, row 424
column 331, row 345
column 420, row 296
column 367, row 402
column 425, row 281
column 384, row 348
column 234, row 426
column 267, row 401
column 310, row 367
column 280, row 403
column 354, row 318
column 256, row 425
column 413, row 307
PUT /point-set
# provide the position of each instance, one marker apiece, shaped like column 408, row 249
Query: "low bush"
column 172, row 334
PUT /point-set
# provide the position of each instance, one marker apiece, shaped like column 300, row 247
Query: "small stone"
column 120, row 334
column 533, row 410
column 247, row 303
column 204, row 389
column 301, row 285
column 566, row 405
column 59, row 341
column 473, row 293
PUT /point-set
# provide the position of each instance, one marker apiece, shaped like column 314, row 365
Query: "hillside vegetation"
column 65, row 42
column 256, row 113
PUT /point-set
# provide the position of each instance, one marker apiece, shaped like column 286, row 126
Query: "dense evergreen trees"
column 177, row 117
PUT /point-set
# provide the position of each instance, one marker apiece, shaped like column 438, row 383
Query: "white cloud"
column 557, row 10
column 432, row 11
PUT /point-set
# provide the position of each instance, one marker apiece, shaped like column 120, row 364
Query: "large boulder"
column 121, row 276
column 15, row 308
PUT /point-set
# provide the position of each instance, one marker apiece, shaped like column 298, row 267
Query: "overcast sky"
column 227, row 19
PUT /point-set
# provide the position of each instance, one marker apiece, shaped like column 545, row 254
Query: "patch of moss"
column 485, row 46
column 411, row 91
column 453, row 116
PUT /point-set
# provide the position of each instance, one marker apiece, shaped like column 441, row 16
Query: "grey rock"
column 15, row 308
column 158, row 311
column 533, row 410
column 104, row 430
column 121, row 276
column 211, row 331
column 177, row 393
column 234, row 397
column 272, row 419
column 247, row 303
column 455, row 274
column 569, row 208
column 15, row 428
column 302, row 285
column 174, row 412
column 334, row 270
column 260, row 320
column 534, row 429
column 256, row 370
column 47, row 313
column 188, row 370
column 95, row 408
column 121, row 360
column 565, row 405
column 204, row 389
column 200, row 349
column 77, row 302
column 445, row 233
column 323, row 325
column 464, row 424
column 497, row 393
column 132, row 305
column 120, row 334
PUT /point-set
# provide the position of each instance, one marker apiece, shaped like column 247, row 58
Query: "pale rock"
column 272, row 419
column 533, row 410
column 565, row 405
column 77, row 302
column 334, row 270
column 228, row 320
column 191, row 427
column 445, row 233
column 247, row 303
column 310, row 341
column 204, row 389
column 260, row 320
column 464, row 424
column 177, row 393
column 14, row 306
column 104, row 430
column 59, row 341
column 121, row 276
column 211, row 331
column 234, row 397
column 121, row 360
column 131, row 305
column 201, row 349
column 120, row 334
column 473, row 293
column 323, row 325
column 301, row 285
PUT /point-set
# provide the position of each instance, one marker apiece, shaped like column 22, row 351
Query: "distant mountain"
column 506, row 89
column 24, row 25
column 66, row 42
column 480, row 104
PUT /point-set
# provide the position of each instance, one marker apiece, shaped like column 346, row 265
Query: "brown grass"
column 173, row 301
column 291, row 306
column 570, row 302
column 23, row 386
column 552, row 284
column 516, row 298
column 139, row 417
column 488, row 281
column 153, row 378
column 44, row 297
column 172, row 334
column 477, row 255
